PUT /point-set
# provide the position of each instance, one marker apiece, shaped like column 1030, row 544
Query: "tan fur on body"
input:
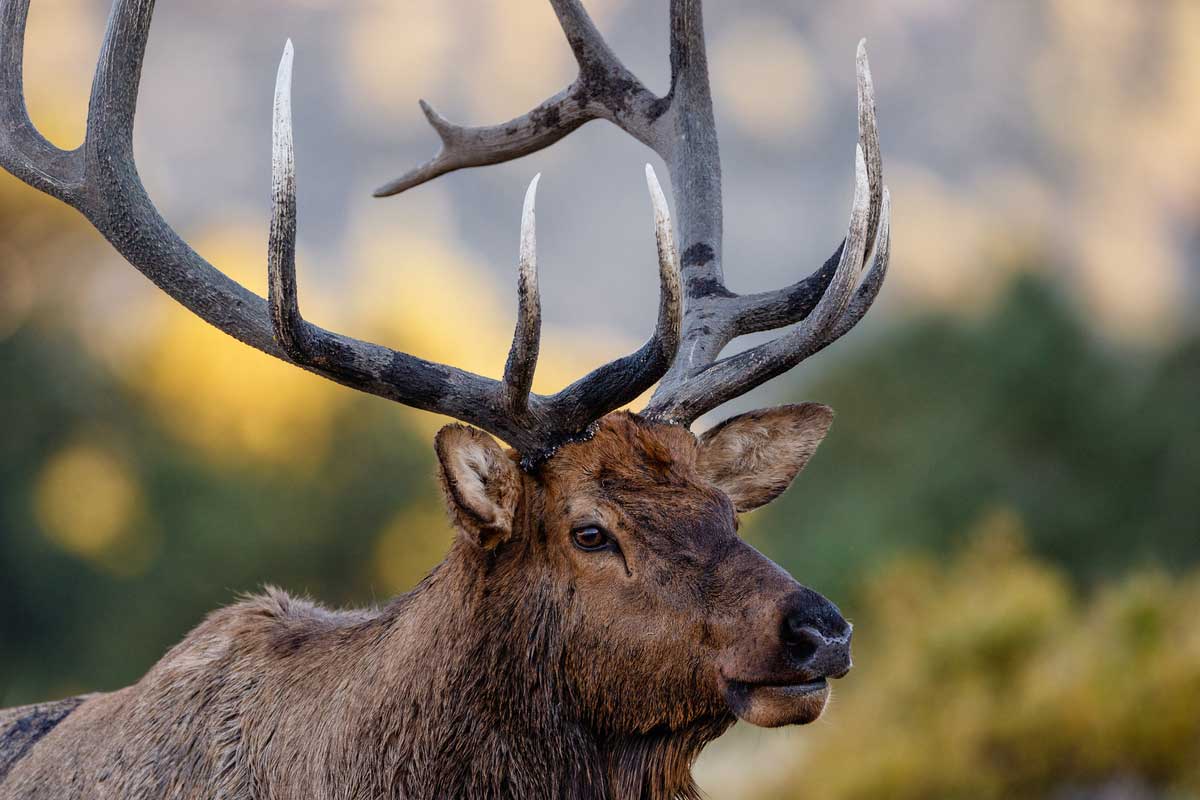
column 521, row 667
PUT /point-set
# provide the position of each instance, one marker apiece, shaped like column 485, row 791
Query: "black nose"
column 815, row 636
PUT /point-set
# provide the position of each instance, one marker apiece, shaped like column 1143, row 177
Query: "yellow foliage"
column 958, row 254
column 991, row 678
column 410, row 546
column 87, row 502
column 414, row 292
column 1116, row 90
column 60, row 56
column 423, row 295
column 16, row 291
column 224, row 397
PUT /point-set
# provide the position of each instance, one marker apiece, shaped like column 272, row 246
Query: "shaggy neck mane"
column 471, row 699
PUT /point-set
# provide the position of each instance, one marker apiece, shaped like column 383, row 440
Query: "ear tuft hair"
column 753, row 457
column 481, row 482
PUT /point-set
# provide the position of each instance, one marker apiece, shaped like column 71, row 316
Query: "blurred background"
column 1007, row 506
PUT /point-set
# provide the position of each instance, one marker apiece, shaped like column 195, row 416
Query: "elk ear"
column 481, row 483
column 753, row 457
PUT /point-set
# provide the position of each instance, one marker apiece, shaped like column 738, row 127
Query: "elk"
column 597, row 620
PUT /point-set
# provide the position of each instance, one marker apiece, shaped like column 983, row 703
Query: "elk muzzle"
column 777, row 670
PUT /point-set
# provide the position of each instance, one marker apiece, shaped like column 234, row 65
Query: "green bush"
column 941, row 420
column 991, row 678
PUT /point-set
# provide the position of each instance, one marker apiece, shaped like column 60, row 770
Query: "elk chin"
column 776, row 705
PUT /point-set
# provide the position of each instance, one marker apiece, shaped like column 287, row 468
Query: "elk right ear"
column 753, row 457
column 481, row 483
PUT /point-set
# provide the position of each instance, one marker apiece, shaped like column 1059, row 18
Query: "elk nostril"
column 800, row 639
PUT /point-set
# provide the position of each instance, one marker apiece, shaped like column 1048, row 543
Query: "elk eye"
column 590, row 538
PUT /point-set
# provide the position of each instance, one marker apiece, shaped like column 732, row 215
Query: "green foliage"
column 944, row 423
column 990, row 678
column 212, row 530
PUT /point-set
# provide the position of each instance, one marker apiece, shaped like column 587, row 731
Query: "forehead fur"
column 629, row 450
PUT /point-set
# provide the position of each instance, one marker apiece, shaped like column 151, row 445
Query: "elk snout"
column 815, row 636
column 781, row 676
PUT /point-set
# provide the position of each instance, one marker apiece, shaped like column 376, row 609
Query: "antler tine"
column 522, row 357
column 466, row 396
column 671, row 305
column 869, row 290
column 604, row 89
column 766, row 311
column 737, row 374
column 678, row 127
column 24, row 152
column 508, row 409
column 281, row 252
column 622, row 381
column 100, row 180
column 115, row 202
column 491, row 144
column 821, row 301
column 868, row 137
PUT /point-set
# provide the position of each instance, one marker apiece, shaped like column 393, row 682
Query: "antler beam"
column 696, row 320
column 680, row 128
column 604, row 89
column 101, row 181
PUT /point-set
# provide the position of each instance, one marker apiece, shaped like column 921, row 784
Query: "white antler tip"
column 284, row 78
column 862, row 63
column 861, row 56
column 657, row 198
column 531, row 195
column 528, row 230
column 862, row 187
column 652, row 179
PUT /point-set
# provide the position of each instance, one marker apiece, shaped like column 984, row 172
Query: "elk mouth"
column 775, row 704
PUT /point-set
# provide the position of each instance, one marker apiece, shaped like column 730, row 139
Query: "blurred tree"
column 990, row 678
column 118, row 531
column 79, row 610
column 942, row 422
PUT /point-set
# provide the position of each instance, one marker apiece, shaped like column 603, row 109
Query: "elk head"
column 628, row 541
column 626, row 524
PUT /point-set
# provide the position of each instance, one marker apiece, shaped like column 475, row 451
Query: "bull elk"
column 597, row 620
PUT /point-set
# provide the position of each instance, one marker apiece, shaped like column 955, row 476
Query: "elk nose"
column 817, row 638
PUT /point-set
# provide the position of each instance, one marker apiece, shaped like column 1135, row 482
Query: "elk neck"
column 463, row 681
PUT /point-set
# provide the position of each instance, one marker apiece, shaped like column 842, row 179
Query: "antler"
column 100, row 180
column 680, row 128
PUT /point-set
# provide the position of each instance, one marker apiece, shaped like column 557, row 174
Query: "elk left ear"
column 481, row 483
column 753, row 457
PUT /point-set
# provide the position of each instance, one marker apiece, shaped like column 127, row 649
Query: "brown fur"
column 521, row 666
column 754, row 457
